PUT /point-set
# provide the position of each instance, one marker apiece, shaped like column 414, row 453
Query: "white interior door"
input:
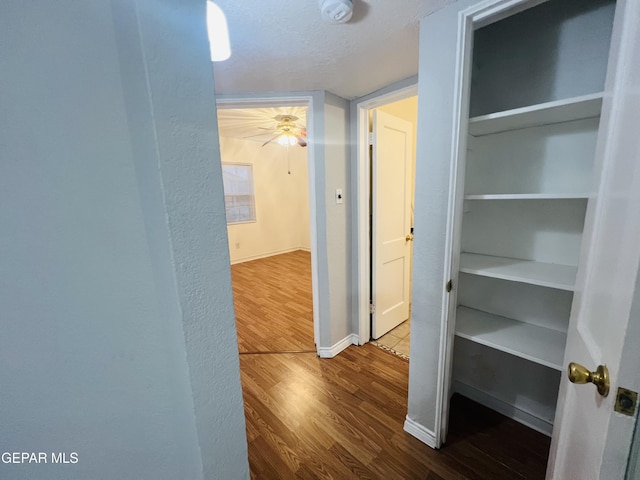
column 391, row 224
column 607, row 279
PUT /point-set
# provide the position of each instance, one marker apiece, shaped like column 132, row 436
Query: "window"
column 239, row 199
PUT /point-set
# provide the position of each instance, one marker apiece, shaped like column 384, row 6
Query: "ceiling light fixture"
column 336, row 11
column 218, row 33
column 287, row 138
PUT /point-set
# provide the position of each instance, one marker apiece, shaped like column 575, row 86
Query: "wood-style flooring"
column 273, row 303
column 342, row 418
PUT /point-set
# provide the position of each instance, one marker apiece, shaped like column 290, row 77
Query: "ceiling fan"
column 287, row 131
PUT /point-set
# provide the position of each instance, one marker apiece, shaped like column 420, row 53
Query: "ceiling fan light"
column 287, row 139
column 218, row 33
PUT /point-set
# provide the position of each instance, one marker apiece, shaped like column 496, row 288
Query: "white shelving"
column 531, row 342
column 551, row 275
column 528, row 176
column 566, row 110
column 528, row 196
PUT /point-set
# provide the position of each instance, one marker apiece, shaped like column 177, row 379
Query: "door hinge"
column 372, row 309
column 449, row 286
column 371, row 138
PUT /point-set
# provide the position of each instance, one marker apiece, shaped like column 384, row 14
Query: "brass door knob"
column 409, row 238
column 600, row 378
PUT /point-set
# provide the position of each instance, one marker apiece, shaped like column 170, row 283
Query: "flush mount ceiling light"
column 336, row 11
column 218, row 33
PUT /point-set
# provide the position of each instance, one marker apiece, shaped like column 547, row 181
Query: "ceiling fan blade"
column 269, row 141
column 258, row 135
column 301, row 141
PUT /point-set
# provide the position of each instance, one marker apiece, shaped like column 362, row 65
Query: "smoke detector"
column 336, row 11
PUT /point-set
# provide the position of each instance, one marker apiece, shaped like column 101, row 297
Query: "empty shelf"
column 577, row 108
column 531, row 342
column 527, row 196
column 550, row 275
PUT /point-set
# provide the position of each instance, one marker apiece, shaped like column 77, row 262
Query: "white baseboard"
column 305, row 249
column 506, row 409
column 268, row 254
column 420, row 432
column 330, row 352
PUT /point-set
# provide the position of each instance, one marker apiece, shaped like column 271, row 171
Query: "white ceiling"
column 284, row 46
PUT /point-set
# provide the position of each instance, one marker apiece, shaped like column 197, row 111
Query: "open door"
column 391, row 225
column 590, row 440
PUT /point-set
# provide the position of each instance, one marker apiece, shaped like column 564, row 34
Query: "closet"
column 536, row 93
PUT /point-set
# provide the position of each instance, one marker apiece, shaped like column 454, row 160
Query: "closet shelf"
column 531, row 342
column 551, row 275
column 566, row 110
column 527, row 196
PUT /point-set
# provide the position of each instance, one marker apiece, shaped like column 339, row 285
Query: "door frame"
column 470, row 19
column 298, row 101
column 363, row 193
column 384, row 123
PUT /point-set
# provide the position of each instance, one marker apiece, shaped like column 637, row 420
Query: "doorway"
column 268, row 182
column 394, row 129
column 387, row 130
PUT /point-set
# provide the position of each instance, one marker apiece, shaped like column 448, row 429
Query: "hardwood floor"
column 273, row 303
column 342, row 418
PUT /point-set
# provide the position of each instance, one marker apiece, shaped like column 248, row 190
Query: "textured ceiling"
column 283, row 46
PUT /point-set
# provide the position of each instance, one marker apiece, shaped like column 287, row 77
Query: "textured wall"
column 117, row 325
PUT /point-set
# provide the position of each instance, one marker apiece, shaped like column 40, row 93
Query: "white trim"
column 264, row 102
column 330, row 352
column 268, row 254
column 420, row 432
column 506, row 409
column 454, row 223
column 307, row 101
column 492, row 11
column 362, row 195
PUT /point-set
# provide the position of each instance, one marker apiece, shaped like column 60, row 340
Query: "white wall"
column 282, row 200
column 118, row 338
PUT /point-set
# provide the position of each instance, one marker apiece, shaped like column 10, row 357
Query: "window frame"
column 252, row 196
